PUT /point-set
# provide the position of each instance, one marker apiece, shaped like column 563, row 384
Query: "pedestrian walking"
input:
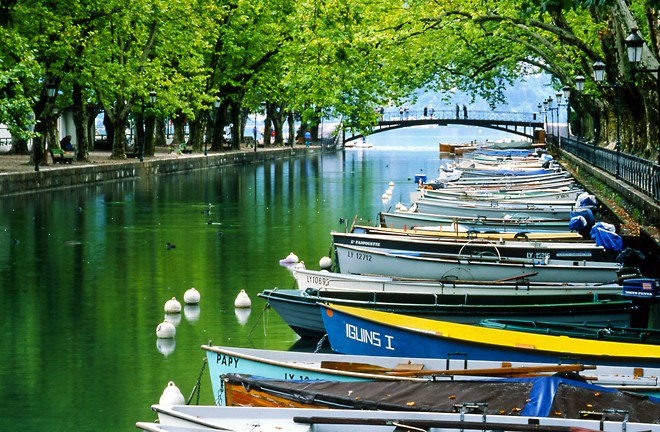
column 308, row 138
column 426, row 110
column 400, row 113
column 464, row 111
column 458, row 110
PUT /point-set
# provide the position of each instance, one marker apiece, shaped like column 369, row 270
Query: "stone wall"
column 63, row 176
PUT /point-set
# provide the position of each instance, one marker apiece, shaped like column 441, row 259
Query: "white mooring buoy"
column 191, row 296
column 325, row 262
column 172, row 306
column 172, row 395
column 242, row 300
column 290, row 259
column 165, row 330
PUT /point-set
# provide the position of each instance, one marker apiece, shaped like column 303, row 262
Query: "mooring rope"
column 267, row 306
column 319, row 344
column 198, row 385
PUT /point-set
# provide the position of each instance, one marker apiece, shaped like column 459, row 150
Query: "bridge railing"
column 642, row 174
column 453, row 115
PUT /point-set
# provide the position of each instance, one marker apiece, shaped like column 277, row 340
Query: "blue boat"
column 369, row 332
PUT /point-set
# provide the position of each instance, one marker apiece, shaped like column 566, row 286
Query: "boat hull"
column 312, row 366
column 519, row 249
column 361, row 332
column 409, row 220
column 363, row 260
column 300, row 309
column 250, row 419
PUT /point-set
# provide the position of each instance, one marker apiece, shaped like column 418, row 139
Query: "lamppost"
column 152, row 101
column 255, row 131
column 599, row 75
column 579, row 86
column 635, row 47
column 565, row 94
column 216, row 106
column 552, row 117
column 545, row 117
column 39, row 144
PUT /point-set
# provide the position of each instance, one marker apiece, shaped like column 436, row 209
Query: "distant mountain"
column 524, row 96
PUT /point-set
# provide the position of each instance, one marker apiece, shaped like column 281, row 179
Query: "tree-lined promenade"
column 207, row 64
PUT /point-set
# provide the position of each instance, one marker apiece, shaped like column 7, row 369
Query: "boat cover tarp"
column 603, row 235
column 587, row 218
column 547, row 396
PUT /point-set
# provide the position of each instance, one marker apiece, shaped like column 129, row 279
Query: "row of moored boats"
column 495, row 301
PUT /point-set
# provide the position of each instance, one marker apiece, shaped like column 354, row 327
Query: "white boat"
column 522, row 224
column 455, row 230
column 251, row 419
column 358, row 145
column 500, row 180
column 324, row 280
column 364, row 260
column 557, row 196
column 515, row 210
column 468, row 248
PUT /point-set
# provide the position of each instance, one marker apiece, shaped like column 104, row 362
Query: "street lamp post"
column 255, row 131
column 634, row 48
column 599, row 76
column 579, row 86
column 552, row 117
column 216, row 106
column 545, row 116
column 152, row 101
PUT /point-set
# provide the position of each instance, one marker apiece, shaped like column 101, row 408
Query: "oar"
column 498, row 371
column 517, row 277
column 445, row 424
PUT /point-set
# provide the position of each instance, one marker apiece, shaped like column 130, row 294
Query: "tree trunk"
column 195, row 128
column 179, row 124
column 159, row 131
column 292, row 128
column 149, row 139
column 237, row 126
column 80, row 120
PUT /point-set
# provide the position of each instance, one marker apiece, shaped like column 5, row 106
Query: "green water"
column 84, row 275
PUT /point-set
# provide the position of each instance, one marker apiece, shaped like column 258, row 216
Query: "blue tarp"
column 586, row 214
column 604, row 236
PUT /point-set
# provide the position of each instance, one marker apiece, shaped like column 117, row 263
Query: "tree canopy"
column 313, row 56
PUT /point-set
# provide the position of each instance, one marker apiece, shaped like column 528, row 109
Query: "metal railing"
column 642, row 174
column 460, row 115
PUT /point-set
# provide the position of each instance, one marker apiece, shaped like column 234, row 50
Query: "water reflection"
column 242, row 315
column 165, row 346
column 191, row 312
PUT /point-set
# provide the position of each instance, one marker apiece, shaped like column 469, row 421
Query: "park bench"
column 61, row 156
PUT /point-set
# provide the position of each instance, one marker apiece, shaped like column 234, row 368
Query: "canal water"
column 85, row 273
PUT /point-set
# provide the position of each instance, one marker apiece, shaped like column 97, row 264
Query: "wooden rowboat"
column 307, row 366
column 549, row 396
